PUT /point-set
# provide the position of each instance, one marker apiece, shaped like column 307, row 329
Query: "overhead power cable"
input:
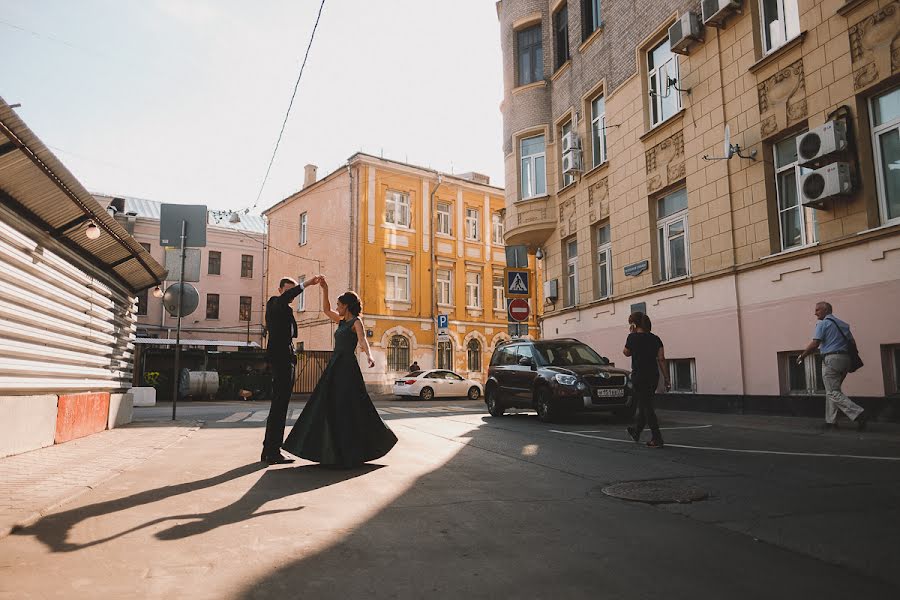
column 287, row 114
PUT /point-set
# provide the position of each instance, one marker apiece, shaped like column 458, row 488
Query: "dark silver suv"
column 555, row 377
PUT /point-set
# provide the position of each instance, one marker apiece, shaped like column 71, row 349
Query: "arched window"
column 398, row 354
column 445, row 355
column 473, row 349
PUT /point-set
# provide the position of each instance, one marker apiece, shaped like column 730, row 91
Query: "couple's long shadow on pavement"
column 53, row 530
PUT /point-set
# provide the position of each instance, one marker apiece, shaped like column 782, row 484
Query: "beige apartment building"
column 722, row 164
column 415, row 244
column 230, row 312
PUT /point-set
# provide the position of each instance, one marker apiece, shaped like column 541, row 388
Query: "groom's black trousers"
column 282, row 386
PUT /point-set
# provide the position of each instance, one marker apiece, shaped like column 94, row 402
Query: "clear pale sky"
column 181, row 100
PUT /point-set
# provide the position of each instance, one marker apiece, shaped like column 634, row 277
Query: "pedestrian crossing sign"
column 518, row 283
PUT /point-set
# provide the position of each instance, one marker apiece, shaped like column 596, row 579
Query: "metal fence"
column 310, row 366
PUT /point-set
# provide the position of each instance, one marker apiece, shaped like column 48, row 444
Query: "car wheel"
column 545, row 410
column 426, row 394
column 474, row 393
column 492, row 399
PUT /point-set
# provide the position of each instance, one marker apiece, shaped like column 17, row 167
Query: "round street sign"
column 518, row 309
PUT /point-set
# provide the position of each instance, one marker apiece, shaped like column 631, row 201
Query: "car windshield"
column 569, row 355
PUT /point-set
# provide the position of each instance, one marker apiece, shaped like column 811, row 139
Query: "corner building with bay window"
column 616, row 115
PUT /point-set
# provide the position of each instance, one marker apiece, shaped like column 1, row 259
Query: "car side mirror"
column 526, row 361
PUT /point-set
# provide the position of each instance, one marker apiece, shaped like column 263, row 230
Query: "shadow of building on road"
column 53, row 530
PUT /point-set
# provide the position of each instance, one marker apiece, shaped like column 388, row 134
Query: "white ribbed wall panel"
column 65, row 326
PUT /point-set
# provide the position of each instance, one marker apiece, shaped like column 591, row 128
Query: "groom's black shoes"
column 275, row 459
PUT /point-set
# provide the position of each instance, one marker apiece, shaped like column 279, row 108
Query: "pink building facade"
column 232, row 274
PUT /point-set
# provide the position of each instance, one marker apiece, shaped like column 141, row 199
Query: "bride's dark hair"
column 351, row 300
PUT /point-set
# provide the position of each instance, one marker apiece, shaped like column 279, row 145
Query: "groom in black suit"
column 282, row 329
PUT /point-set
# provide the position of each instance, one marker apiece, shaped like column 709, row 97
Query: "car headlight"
column 566, row 379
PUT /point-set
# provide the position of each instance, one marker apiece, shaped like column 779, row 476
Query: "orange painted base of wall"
column 78, row 415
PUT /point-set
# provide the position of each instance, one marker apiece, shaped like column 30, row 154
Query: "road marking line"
column 381, row 411
column 661, row 428
column 296, row 413
column 404, row 409
column 260, row 415
column 235, row 417
column 716, row 449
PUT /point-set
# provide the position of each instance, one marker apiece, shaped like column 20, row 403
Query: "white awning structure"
column 185, row 342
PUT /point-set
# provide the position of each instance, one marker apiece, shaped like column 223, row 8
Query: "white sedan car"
column 433, row 383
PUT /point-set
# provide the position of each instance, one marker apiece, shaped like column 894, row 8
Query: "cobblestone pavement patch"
column 36, row 482
column 655, row 492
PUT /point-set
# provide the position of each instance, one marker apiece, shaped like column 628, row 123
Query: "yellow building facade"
column 414, row 243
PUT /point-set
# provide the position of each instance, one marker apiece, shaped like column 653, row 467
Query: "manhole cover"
column 655, row 492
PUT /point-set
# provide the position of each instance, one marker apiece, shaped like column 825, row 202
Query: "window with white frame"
column 780, row 22
column 796, row 223
column 662, row 66
column 571, row 272
column 802, row 379
column 591, row 21
column 301, row 299
column 397, row 281
column 472, row 216
column 530, row 54
column 444, row 286
column 499, row 295
column 304, row 220
column 473, row 289
column 533, row 167
column 604, row 262
column 682, row 375
column 598, row 130
column 445, row 355
column 497, row 229
column 672, row 225
column 396, row 210
column 473, row 354
column 444, row 218
column 561, row 36
column 886, row 139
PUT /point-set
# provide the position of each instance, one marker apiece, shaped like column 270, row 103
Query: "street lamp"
column 157, row 292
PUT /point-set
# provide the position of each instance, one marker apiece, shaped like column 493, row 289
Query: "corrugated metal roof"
column 40, row 188
column 150, row 209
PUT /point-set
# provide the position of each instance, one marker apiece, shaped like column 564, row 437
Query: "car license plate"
column 609, row 393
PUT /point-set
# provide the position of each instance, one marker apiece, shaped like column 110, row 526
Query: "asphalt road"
column 472, row 506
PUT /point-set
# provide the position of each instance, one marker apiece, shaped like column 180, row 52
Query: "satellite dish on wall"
column 730, row 149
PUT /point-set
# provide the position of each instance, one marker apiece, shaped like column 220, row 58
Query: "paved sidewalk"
column 37, row 482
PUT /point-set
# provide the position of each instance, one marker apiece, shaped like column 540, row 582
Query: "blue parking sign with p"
column 517, row 283
column 443, row 321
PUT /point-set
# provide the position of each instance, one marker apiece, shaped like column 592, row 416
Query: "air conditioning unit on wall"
column 716, row 11
column 820, row 145
column 570, row 142
column 685, row 32
column 571, row 161
column 551, row 291
column 828, row 182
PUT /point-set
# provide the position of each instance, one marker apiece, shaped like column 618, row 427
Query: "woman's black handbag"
column 855, row 361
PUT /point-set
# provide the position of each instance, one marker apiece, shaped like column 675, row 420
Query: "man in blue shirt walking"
column 831, row 338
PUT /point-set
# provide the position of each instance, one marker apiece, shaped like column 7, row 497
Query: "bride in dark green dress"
column 339, row 425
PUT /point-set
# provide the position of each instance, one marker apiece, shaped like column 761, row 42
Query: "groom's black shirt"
column 280, row 323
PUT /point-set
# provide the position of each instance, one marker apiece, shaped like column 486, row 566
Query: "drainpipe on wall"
column 434, row 296
column 350, row 263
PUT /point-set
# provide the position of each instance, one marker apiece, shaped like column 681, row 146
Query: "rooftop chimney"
column 309, row 175
column 476, row 177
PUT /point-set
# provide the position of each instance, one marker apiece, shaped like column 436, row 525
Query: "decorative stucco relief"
column 782, row 99
column 875, row 46
column 567, row 221
column 665, row 162
column 598, row 200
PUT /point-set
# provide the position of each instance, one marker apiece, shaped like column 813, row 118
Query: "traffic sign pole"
column 178, row 326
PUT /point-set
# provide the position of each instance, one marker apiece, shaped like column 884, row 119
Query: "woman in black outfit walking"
column 646, row 352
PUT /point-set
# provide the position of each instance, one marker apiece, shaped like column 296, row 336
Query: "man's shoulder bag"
column 855, row 361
